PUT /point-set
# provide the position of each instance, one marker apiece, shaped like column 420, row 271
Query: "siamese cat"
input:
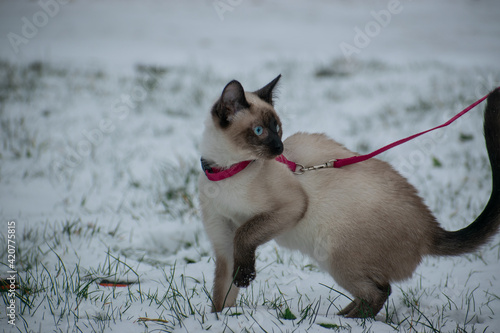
column 363, row 223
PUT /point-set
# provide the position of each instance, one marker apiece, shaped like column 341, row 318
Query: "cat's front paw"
column 243, row 275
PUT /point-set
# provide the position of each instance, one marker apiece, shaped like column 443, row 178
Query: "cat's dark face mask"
column 264, row 137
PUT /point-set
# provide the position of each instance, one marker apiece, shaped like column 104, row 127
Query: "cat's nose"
column 277, row 147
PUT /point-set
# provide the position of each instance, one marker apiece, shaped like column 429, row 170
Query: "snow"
column 102, row 111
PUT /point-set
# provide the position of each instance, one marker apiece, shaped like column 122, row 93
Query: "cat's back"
column 373, row 181
column 313, row 148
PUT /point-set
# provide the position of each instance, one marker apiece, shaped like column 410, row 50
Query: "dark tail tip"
column 492, row 134
column 487, row 224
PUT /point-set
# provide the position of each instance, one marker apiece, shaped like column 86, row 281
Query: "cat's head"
column 248, row 120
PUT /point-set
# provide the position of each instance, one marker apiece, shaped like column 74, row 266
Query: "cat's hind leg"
column 368, row 301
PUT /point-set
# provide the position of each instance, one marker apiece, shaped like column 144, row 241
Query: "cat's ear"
column 231, row 101
column 266, row 93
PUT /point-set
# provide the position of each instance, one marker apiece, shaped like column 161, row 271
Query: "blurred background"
column 228, row 33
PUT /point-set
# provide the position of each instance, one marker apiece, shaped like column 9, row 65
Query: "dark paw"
column 358, row 309
column 243, row 275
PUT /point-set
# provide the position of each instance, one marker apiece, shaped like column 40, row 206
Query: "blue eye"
column 277, row 128
column 258, row 130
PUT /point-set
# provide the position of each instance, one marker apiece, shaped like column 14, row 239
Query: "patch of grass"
column 331, row 72
column 18, row 140
column 151, row 69
column 235, row 314
column 332, row 326
column 421, row 105
column 288, row 315
column 190, row 261
column 465, row 137
column 436, row 162
column 177, row 188
column 59, row 290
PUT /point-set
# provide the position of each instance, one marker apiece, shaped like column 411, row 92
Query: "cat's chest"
column 235, row 199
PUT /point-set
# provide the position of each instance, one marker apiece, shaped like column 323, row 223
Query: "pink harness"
column 215, row 174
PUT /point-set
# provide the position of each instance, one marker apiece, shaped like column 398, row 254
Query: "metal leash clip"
column 302, row 169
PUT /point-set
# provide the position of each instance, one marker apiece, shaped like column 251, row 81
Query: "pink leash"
column 356, row 159
column 217, row 174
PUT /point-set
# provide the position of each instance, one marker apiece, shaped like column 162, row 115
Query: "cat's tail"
column 487, row 224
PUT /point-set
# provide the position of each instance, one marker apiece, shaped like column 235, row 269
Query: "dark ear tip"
column 234, row 88
column 233, row 82
column 233, row 96
column 266, row 93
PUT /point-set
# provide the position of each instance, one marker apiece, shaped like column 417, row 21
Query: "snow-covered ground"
column 102, row 106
